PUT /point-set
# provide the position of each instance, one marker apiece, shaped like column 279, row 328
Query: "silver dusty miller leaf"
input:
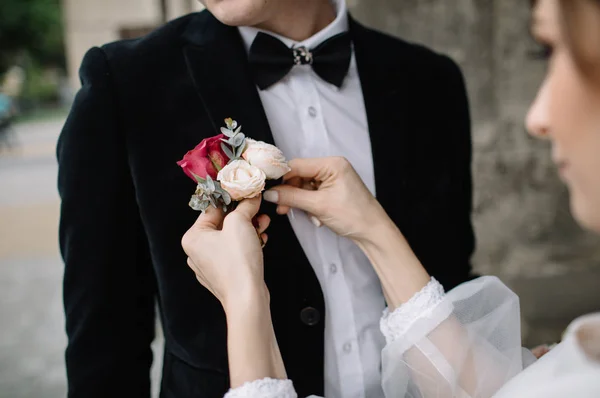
column 227, row 151
column 210, row 185
column 227, row 132
column 237, row 139
column 198, row 204
column 210, row 193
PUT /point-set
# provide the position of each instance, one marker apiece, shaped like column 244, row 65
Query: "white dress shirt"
column 312, row 118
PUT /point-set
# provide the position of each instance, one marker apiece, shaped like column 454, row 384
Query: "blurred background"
column 525, row 233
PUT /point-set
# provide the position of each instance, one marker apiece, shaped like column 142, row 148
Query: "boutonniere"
column 230, row 167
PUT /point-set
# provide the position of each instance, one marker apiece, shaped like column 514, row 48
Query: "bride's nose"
column 538, row 120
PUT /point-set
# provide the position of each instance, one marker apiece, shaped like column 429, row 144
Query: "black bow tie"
column 270, row 59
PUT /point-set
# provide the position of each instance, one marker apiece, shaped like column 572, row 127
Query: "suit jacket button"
column 310, row 316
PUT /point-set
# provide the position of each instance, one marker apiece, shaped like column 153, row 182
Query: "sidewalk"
column 32, row 328
column 31, row 360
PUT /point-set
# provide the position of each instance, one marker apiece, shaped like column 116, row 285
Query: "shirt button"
column 310, row 316
column 333, row 268
column 347, row 348
column 312, row 111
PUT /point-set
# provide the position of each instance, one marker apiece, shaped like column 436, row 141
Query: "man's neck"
column 300, row 20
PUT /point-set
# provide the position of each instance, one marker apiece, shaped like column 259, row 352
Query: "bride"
column 463, row 343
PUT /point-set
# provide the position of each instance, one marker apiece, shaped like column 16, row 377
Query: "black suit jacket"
column 142, row 105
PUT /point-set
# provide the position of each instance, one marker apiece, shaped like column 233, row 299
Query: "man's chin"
column 234, row 22
column 233, row 15
column 230, row 20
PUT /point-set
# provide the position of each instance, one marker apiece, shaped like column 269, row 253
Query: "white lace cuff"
column 394, row 325
column 264, row 388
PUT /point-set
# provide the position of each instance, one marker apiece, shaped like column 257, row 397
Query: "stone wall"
column 524, row 229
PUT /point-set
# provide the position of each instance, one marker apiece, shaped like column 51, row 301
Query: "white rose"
column 266, row 157
column 242, row 180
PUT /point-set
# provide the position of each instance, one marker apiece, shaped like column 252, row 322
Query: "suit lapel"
column 217, row 64
column 384, row 84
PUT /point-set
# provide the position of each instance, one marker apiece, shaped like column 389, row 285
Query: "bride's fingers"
column 261, row 223
column 540, row 351
column 194, row 268
column 264, row 238
column 211, row 218
column 294, row 182
column 282, row 210
column 309, row 185
column 248, row 208
column 316, row 222
column 299, row 198
column 305, row 168
column 313, row 185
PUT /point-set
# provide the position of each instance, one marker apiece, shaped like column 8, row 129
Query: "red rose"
column 206, row 159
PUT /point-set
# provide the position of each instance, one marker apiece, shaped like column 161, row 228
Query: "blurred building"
column 91, row 23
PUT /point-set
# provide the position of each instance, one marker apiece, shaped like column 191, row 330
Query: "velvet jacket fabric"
column 145, row 102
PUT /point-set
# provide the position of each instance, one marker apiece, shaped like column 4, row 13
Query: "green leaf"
column 227, row 132
column 213, row 202
column 198, row 203
column 230, row 123
column 198, row 178
column 224, row 194
column 238, row 140
column 215, row 164
column 227, row 151
column 210, row 183
column 240, row 150
column 226, row 197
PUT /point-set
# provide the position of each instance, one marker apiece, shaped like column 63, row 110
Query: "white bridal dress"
column 467, row 343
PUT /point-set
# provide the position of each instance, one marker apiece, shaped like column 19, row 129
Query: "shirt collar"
column 339, row 25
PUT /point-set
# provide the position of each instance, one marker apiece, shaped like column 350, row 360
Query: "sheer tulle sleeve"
column 466, row 343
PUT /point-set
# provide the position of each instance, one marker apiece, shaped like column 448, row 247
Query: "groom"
column 301, row 74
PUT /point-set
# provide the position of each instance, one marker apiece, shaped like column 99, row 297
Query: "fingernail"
column 316, row 221
column 271, row 196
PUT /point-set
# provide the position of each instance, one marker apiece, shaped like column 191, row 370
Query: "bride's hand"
column 332, row 192
column 225, row 253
